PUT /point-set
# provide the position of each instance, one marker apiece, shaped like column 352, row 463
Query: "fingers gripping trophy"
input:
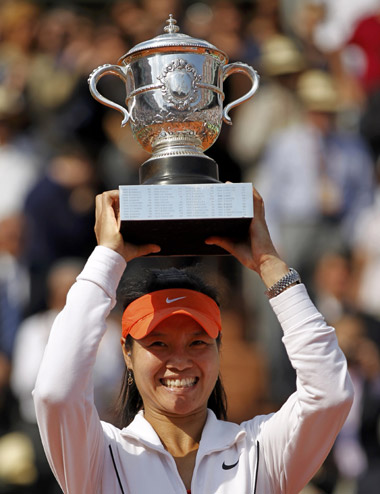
column 174, row 104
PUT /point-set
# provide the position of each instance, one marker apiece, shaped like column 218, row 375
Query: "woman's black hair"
column 161, row 279
column 129, row 402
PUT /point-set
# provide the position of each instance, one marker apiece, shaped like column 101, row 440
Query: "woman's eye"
column 199, row 342
column 157, row 344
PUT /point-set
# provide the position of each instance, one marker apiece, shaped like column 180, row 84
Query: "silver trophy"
column 174, row 103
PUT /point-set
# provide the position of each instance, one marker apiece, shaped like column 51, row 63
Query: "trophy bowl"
column 174, row 103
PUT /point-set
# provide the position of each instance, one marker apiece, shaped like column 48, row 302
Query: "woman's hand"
column 107, row 228
column 258, row 253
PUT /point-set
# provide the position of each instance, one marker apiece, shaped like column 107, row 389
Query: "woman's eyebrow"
column 154, row 335
column 201, row 333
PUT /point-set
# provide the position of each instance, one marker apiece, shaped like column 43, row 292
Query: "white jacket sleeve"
column 69, row 425
column 296, row 439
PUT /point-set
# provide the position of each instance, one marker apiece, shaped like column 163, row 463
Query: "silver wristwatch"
column 291, row 278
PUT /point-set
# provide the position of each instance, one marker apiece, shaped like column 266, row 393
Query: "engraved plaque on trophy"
column 174, row 103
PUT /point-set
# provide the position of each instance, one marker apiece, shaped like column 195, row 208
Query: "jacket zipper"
column 257, row 465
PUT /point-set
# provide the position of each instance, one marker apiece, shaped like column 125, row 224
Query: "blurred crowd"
column 309, row 140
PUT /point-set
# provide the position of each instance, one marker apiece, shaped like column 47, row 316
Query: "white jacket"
column 271, row 454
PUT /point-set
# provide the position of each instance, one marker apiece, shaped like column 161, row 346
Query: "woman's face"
column 175, row 367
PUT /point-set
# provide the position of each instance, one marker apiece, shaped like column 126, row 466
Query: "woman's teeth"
column 179, row 383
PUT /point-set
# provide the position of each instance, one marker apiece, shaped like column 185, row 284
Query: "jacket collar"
column 217, row 435
column 141, row 430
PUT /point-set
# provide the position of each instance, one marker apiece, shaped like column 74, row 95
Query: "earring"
column 130, row 378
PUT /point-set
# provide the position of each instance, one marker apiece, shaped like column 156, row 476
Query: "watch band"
column 291, row 278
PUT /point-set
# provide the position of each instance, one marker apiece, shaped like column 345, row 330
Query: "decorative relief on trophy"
column 179, row 82
column 174, row 103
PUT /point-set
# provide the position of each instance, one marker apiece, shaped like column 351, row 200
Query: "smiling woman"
column 174, row 436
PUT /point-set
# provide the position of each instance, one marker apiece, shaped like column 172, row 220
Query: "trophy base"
column 180, row 217
column 186, row 169
column 185, row 237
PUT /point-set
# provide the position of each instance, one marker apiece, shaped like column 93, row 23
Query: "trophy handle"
column 93, row 79
column 243, row 68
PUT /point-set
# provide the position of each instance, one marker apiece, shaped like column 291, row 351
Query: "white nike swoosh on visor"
column 170, row 300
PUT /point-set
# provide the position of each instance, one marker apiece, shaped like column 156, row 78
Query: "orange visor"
column 145, row 313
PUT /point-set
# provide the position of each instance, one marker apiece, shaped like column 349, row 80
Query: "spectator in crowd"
column 273, row 108
column 59, row 212
column 265, row 21
column 14, row 297
column 17, row 30
column 366, row 256
column 364, row 47
column 332, row 287
column 52, row 76
column 18, row 165
column 357, row 449
column 34, row 331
